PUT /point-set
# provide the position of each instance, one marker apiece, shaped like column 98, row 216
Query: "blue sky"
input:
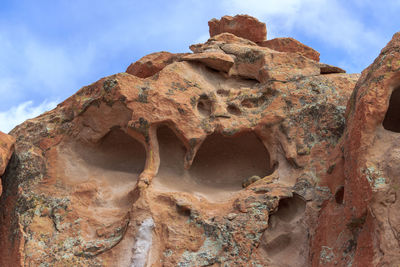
column 50, row 49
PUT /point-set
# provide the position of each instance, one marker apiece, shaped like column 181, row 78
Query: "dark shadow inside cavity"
column 116, row 151
column 172, row 152
column 227, row 161
column 392, row 117
column 204, row 105
column 339, row 195
column 219, row 167
column 285, row 242
column 233, row 109
column 290, row 208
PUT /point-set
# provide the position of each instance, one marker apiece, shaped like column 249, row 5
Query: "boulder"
column 291, row 45
column 149, row 65
column 240, row 25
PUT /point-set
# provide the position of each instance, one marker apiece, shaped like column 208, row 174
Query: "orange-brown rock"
column 360, row 225
column 6, row 150
column 328, row 69
column 215, row 60
column 240, row 25
column 291, row 45
column 236, row 155
column 151, row 64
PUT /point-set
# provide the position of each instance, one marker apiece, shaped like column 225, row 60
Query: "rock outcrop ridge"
column 246, row 152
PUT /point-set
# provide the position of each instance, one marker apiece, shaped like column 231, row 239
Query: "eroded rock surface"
column 235, row 155
column 360, row 226
column 6, row 151
column 291, row 45
column 240, row 25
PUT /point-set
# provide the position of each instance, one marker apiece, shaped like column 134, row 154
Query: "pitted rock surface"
column 234, row 155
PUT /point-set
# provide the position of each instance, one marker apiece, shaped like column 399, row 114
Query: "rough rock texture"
column 327, row 69
column 360, row 226
column 151, row 64
column 235, row 155
column 6, row 151
column 291, row 45
column 240, row 25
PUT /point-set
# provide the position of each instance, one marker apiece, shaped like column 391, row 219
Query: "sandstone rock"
column 215, row 60
column 132, row 171
column 151, row 64
column 214, row 43
column 290, row 45
column 263, row 64
column 328, row 69
column 6, row 150
column 360, row 225
column 240, row 25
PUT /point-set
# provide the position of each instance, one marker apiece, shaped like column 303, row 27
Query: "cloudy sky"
column 49, row 49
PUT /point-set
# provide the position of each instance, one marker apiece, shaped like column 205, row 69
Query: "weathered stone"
column 290, row 45
column 240, row 25
column 328, row 69
column 6, row 150
column 135, row 172
column 360, row 225
column 215, row 60
column 151, row 64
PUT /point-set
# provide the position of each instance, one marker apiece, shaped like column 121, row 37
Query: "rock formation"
column 6, row 150
column 242, row 153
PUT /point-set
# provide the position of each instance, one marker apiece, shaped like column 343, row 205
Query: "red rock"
column 369, row 212
column 6, row 151
column 151, row 64
column 240, row 25
column 149, row 172
column 291, row 45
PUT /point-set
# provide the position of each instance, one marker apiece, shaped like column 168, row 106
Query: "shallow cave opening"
column 116, row 157
column 172, row 153
column 102, row 175
column 219, row 167
column 285, row 241
column 290, row 209
column 392, row 117
column 227, row 161
column 117, row 151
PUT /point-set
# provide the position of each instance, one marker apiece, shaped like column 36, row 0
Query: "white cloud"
column 327, row 20
column 202, row 39
column 337, row 25
column 18, row 114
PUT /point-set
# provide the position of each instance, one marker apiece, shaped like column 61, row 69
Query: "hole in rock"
column 290, row 209
column 204, row 106
column 103, row 175
column 392, row 117
column 223, row 92
column 227, row 161
column 232, row 109
column 285, row 242
column 117, row 152
column 339, row 195
column 253, row 102
column 220, row 166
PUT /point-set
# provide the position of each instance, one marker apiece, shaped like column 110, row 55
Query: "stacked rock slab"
column 234, row 155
